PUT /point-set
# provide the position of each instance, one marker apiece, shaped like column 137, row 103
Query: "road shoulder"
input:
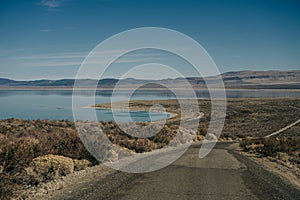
column 270, row 183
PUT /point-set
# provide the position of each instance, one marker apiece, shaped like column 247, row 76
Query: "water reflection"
column 57, row 104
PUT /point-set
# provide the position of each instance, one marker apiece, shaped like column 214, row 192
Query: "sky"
column 49, row 39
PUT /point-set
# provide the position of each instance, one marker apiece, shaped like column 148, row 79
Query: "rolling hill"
column 238, row 79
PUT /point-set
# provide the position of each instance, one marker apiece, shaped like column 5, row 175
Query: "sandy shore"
column 138, row 106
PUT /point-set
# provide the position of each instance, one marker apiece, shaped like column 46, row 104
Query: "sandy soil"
column 287, row 171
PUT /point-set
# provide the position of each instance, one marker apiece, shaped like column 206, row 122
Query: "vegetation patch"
column 32, row 151
column 283, row 148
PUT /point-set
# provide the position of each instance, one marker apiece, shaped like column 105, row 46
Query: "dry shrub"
column 139, row 145
column 18, row 153
column 48, row 167
column 282, row 156
column 81, row 164
column 283, row 148
column 23, row 140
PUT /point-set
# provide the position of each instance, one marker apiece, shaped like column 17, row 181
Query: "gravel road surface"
column 223, row 174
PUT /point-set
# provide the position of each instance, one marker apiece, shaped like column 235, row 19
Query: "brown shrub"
column 23, row 140
column 50, row 166
column 18, row 153
column 81, row 164
column 272, row 146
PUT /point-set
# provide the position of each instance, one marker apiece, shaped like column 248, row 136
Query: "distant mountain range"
column 239, row 79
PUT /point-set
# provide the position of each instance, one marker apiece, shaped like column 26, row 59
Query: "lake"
column 57, row 104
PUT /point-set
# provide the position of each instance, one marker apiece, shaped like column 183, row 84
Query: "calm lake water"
column 58, row 104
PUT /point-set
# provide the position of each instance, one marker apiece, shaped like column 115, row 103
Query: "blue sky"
column 50, row 38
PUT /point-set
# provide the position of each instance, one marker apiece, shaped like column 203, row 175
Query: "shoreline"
column 173, row 115
column 34, row 88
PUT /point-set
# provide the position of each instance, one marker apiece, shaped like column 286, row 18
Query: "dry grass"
column 283, row 148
